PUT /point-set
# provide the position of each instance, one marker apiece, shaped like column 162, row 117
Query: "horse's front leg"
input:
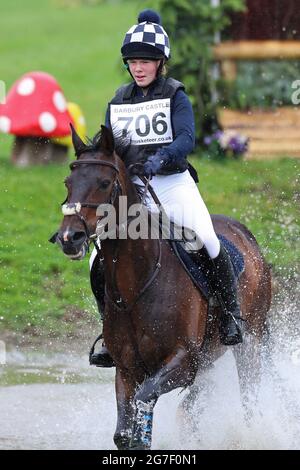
column 248, row 358
column 142, row 425
column 125, row 390
column 175, row 373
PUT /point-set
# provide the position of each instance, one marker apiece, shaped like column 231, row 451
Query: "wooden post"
column 272, row 133
column 229, row 69
column 257, row 50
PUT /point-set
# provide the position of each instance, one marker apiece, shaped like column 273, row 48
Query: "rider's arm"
column 183, row 127
column 174, row 155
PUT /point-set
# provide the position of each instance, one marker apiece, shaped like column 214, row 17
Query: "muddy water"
column 57, row 401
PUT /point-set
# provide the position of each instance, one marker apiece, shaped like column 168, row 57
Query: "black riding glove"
column 155, row 163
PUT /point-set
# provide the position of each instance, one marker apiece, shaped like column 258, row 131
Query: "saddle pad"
column 196, row 272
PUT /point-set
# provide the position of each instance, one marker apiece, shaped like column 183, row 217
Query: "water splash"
column 217, row 418
column 62, row 403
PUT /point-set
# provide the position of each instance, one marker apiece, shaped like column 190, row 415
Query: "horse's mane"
column 123, row 146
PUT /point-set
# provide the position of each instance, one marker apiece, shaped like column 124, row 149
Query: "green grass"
column 80, row 47
column 264, row 195
column 38, row 284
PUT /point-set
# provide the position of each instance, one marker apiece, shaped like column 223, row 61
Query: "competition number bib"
column 143, row 123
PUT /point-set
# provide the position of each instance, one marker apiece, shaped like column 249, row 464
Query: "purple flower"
column 218, row 134
column 208, row 140
column 238, row 145
column 228, row 140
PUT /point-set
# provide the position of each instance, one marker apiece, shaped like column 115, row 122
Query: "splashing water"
column 59, row 402
column 217, row 420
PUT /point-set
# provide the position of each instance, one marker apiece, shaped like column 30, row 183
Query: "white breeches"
column 182, row 202
column 184, row 205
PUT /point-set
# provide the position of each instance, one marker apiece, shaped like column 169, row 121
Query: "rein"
column 75, row 209
column 127, row 308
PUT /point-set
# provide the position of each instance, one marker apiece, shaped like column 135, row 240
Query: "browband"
column 93, row 162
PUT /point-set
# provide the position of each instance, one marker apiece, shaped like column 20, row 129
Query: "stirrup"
column 100, row 359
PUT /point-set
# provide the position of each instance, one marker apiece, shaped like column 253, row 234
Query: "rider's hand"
column 153, row 165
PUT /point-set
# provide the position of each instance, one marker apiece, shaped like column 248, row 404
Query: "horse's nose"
column 72, row 238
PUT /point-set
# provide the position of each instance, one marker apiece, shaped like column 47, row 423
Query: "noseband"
column 75, row 207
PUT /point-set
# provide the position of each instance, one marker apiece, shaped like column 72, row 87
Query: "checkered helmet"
column 147, row 39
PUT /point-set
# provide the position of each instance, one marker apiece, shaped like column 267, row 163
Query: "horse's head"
column 93, row 181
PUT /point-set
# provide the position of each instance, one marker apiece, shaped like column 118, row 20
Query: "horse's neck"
column 130, row 261
column 130, row 191
column 129, row 264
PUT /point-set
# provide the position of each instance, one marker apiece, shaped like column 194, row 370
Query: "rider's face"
column 143, row 71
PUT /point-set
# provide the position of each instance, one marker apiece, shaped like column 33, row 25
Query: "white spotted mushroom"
column 35, row 107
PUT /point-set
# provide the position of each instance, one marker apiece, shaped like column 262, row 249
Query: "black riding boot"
column 220, row 275
column 101, row 358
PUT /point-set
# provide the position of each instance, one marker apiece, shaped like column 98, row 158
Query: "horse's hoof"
column 122, row 443
column 136, row 444
column 139, row 447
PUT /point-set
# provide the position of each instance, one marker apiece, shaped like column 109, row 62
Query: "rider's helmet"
column 147, row 39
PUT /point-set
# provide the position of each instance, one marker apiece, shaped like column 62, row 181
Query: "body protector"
column 145, row 122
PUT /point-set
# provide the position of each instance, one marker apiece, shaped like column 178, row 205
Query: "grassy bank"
column 79, row 45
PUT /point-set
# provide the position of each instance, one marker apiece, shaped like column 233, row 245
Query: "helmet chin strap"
column 160, row 67
column 126, row 65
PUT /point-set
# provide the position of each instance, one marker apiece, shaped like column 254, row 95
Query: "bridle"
column 75, row 209
column 116, row 184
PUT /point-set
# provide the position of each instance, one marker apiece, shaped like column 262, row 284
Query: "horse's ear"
column 78, row 144
column 107, row 140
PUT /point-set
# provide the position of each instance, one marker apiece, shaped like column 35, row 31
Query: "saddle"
column 195, row 271
column 181, row 248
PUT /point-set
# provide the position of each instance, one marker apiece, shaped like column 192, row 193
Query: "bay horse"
column 156, row 323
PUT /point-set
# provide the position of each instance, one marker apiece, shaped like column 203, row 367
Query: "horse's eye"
column 104, row 184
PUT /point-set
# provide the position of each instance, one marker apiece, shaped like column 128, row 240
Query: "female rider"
column 166, row 141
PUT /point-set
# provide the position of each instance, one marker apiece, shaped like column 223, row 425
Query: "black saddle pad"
column 196, row 272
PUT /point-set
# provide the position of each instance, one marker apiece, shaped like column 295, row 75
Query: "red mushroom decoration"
column 36, row 110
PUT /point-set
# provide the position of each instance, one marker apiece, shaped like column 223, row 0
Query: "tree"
column 193, row 26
